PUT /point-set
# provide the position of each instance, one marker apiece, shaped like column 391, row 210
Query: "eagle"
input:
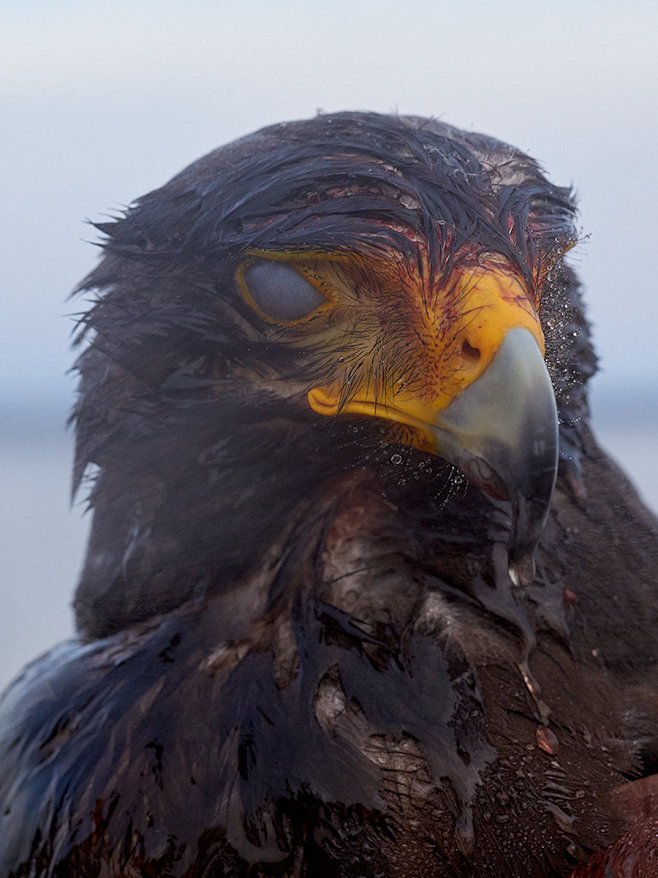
column 362, row 596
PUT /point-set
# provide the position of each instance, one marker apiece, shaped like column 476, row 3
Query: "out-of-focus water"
column 42, row 537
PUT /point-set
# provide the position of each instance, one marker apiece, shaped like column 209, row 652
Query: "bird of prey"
column 363, row 596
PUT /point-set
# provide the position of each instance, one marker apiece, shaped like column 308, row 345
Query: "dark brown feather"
column 300, row 653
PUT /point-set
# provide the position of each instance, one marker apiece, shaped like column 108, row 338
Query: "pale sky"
column 103, row 101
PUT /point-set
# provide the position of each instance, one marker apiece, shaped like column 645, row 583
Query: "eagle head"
column 319, row 297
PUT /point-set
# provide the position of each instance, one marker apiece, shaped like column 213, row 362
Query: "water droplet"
column 547, row 740
column 569, row 597
column 522, row 571
column 396, row 459
column 409, row 201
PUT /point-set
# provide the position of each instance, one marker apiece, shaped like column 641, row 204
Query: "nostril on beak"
column 469, row 353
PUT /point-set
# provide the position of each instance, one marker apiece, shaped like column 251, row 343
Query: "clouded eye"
column 280, row 291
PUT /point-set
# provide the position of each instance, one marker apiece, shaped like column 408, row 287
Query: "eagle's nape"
column 300, row 650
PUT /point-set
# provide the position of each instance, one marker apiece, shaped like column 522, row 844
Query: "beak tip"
column 503, row 432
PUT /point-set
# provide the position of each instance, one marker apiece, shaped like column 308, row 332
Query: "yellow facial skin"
column 398, row 345
column 458, row 330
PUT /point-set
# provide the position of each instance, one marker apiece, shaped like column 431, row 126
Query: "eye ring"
column 278, row 290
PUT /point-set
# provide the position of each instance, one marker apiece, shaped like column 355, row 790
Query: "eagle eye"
column 280, row 291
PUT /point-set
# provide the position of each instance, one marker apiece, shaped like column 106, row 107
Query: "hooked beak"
column 501, row 431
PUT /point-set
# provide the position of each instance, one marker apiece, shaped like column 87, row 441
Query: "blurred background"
column 102, row 102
